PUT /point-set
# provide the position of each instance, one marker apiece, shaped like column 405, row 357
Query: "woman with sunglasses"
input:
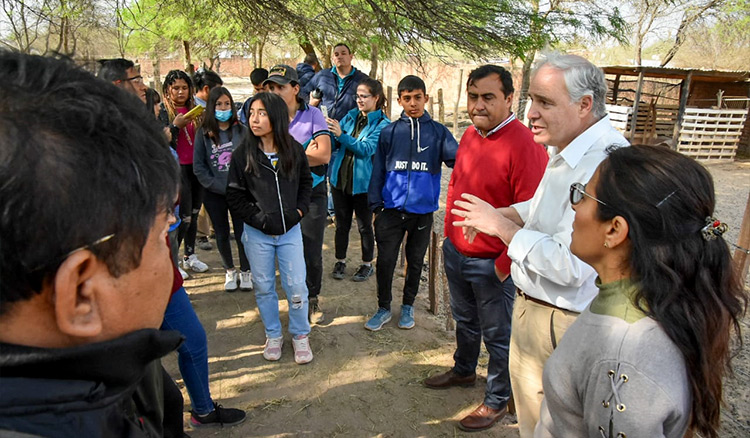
column 647, row 357
column 357, row 138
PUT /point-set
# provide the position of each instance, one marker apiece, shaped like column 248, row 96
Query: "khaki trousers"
column 536, row 331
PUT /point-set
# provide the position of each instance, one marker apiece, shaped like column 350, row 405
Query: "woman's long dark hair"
column 376, row 89
column 686, row 283
column 278, row 114
column 210, row 124
column 169, row 80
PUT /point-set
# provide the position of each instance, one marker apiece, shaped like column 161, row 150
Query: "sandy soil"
column 364, row 384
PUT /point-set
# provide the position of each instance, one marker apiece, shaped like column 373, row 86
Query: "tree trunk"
column 189, row 67
column 374, row 49
column 638, row 49
column 525, row 81
column 156, row 63
column 306, row 45
column 679, row 39
column 261, row 45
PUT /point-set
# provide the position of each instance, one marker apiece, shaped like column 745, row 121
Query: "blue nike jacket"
column 406, row 166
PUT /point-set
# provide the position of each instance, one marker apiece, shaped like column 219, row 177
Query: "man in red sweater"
column 499, row 161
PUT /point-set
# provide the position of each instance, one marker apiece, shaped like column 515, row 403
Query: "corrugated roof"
column 698, row 74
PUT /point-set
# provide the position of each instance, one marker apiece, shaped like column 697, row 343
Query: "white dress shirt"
column 543, row 266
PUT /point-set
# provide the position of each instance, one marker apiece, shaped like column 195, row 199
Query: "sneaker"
column 363, row 273
column 338, row 270
column 302, row 352
column 183, row 274
column 378, row 320
column 205, row 244
column 406, row 321
column 314, row 313
column 220, row 416
column 192, row 263
column 230, row 281
column 272, row 349
column 246, row 281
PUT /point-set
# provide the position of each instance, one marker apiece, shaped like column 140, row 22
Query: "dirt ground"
column 365, row 384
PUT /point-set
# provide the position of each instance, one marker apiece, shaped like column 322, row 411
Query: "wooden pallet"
column 711, row 135
column 654, row 121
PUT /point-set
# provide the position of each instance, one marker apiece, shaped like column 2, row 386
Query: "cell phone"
column 324, row 110
column 195, row 112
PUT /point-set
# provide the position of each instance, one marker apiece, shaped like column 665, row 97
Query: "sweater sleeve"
column 239, row 198
column 304, row 192
column 377, row 180
column 623, row 399
column 449, row 148
column 201, row 168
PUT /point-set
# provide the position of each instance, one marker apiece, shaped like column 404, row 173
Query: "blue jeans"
column 288, row 249
column 192, row 356
column 482, row 306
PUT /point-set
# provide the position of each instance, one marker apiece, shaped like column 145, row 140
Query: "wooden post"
column 741, row 259
column 636, row 102
column 432, row 108
column 684, row 91
column 615, row 89
column 388, row 99
column 433, row 264
column 441, row 107
column 458, row 100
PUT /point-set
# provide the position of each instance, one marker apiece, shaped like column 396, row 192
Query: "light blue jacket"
column 363, row 147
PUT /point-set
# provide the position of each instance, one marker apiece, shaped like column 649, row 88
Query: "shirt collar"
column 498, row 127
column 574, row 152
column 336, row 72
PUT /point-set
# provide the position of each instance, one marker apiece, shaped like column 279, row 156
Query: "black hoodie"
column 267, row 200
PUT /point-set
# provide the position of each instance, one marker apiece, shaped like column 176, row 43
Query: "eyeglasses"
column 578, row 191
column 363, row 96
column 70, row 253
column 136, row 79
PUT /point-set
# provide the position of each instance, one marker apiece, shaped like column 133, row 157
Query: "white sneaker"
column 194, row 264
column 272, row 350
column 302, row 352
column 230, row 281
column 246, row 281
column 183, row 274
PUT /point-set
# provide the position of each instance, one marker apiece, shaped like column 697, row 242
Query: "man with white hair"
column 567, row 114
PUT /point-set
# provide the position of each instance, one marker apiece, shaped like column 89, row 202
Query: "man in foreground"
column 83, row 292
column 567, row 114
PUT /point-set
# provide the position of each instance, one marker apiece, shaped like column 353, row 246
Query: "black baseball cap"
column 282, row 74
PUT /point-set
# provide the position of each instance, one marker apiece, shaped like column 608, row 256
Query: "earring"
column 606, row 245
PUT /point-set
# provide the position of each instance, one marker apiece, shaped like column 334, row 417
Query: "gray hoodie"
column 211, row 158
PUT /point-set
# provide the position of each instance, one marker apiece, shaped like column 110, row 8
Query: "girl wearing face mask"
column 218, row 136
column 178, row 101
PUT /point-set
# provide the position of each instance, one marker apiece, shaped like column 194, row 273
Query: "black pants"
column 218, row 211
column 344, row 205
column 191, row 198
column 313, row 226
column 390, row 226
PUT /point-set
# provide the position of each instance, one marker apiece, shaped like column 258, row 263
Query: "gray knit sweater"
column 615, row 374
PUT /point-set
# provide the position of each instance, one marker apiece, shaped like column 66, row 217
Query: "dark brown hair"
column 686, row 283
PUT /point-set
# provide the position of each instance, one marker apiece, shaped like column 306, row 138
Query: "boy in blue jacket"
column 404, row 192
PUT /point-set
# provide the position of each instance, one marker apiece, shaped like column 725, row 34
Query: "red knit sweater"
column 502, row 169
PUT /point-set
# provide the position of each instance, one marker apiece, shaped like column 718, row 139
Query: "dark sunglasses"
column 578, row 191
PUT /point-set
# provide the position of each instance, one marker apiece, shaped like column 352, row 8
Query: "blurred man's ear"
column 75, row 295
